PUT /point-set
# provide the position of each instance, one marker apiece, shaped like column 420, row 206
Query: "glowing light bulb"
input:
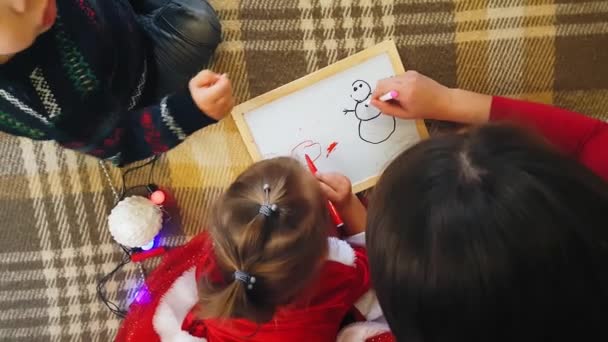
column 143, row 295
column 148, row 246
column 158, row 197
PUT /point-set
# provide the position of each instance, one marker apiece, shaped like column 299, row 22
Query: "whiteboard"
column 329, row 120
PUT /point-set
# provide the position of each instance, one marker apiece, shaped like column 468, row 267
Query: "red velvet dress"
column 164, row 313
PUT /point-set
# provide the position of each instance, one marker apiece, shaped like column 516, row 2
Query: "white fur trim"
column 340, row 251
column 174, row 307
column 369, row 306
column 359, row 332
column 357, row 239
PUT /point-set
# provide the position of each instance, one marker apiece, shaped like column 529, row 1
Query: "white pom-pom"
column 135, row 221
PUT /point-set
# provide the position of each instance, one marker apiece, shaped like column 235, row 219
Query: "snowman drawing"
column 374, row 128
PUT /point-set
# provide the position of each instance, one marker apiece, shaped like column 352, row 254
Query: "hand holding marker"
column 391, row 95
column 335, row 217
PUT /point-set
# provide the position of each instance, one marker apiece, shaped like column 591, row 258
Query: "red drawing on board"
column 331, row 148
column 312, row 148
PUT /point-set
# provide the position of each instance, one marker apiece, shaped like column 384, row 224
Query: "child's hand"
column 212, row 93
column 338, row 189
column 420, row 97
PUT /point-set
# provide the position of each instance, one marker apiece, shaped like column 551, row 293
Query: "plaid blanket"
column 54, row 242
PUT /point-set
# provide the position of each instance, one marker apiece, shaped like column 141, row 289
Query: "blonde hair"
column 280, row 250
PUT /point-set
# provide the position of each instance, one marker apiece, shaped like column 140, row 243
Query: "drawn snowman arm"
column 346, row 111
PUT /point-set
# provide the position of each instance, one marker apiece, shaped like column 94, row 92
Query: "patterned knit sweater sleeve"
column 122, row 137
column 84, row 84
column 137, row 134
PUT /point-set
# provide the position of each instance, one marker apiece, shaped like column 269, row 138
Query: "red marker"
column 335, row 217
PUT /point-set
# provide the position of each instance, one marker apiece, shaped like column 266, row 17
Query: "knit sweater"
column 85, row 84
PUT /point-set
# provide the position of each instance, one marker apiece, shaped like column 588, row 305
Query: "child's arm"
column 125, row 135
column 338, row 190
column 140, row 133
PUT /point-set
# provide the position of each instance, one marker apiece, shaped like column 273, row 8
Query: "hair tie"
column 267, row 209
column 245, row 278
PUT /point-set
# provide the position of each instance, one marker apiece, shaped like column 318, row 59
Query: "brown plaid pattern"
column 54, row 242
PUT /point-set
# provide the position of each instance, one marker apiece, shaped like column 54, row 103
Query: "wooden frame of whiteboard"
column 239, row 112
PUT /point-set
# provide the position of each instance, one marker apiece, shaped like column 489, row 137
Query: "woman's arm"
column 582, row 137
column 422, row 98
column 570, row 131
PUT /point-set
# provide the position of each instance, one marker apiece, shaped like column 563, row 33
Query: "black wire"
column 124, row 175
column 113, row 307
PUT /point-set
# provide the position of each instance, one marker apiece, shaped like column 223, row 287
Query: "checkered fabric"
column 54, row 242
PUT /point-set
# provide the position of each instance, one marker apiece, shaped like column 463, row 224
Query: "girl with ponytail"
column 267, row 268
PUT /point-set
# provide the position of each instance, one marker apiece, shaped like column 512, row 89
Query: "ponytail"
column 235, row 297
column 268, row 229
column 222, row 302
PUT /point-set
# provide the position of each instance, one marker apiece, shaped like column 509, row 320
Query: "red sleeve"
column 362, row 282
column 138, row 325
column 582, row 137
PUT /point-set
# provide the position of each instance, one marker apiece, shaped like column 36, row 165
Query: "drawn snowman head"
column 361, row 91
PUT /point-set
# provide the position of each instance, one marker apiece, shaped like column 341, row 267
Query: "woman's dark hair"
column 490, row 235
column 282, row 250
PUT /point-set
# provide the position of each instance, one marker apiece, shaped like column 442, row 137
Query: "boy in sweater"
column 117, row 79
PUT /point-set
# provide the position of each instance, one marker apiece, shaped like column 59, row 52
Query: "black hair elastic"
column 245, row 278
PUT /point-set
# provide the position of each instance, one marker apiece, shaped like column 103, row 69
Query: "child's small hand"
column 338, row 189
column 212, row 93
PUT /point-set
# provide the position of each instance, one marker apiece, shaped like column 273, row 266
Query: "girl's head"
column 489, row 236
column 22, row 21
column 271, row 224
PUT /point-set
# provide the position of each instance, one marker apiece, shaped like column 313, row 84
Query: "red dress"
column 164, row 313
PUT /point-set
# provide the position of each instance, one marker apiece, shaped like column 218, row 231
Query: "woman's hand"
column 212, row 93
column 421, row 97
column 338, row 189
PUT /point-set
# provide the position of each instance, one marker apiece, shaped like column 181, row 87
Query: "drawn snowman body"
column 374, row 127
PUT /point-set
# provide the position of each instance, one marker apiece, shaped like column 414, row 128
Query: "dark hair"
column 280, row 250
column 490, row 235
